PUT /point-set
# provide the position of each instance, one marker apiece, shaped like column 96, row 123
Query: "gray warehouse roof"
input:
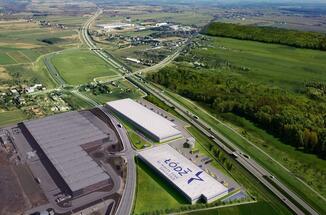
column 60, row 137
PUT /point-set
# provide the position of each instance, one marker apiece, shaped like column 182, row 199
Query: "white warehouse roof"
column 155, row 125
column 191, row 180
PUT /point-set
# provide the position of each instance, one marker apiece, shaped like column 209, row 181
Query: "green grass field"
column 81, row 66
column 30, row 74
column 5, row 59
column 11, row 117
column 75, row 102
column 153, row 193
column 136, row 140
column 125, row 90
column 33, row 35
column 254, row 208
column 276, row 65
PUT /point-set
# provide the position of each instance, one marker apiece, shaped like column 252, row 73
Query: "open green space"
column 199, row 18
column 30, row 74
column 6, row 59
column 70, row 21
column 80, row 66
column 34, row 35
column 11, row 117
column 75, row 102
column 153, row 193
column 123, row 90
column 246, row 209
column 276, row 65
column 137, row 140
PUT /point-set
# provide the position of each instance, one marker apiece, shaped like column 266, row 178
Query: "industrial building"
column 115, row 26
column 62, row 141
column 194, row 183
column 149, row 122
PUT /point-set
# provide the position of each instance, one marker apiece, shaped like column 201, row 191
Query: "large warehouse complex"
column 63, row 140
column 190, row 180
column 154, row 125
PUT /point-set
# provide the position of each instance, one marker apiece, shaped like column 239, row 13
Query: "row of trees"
column 298, row 121
column 311, row 40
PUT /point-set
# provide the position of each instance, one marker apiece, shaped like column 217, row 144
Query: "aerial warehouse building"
column 149, row 122
column 63, row 141
column 193, row 183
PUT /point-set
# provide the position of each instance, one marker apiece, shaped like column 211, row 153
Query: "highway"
column 61, row 82
column 53, row 71
column 126, row 203
column 253, row 167
column 287, row 196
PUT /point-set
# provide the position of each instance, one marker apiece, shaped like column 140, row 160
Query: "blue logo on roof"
column 197, row 178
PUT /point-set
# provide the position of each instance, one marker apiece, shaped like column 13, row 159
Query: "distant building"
column 134, row 60
column 161, row 24
column 32, row 89
column 115, row 26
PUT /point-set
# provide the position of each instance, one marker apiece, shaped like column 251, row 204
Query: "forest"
column 300, row 39
column 297, row 119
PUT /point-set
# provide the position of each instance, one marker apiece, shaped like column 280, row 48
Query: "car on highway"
column 246, row 156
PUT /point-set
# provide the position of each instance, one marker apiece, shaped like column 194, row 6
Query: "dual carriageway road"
column 288, row 197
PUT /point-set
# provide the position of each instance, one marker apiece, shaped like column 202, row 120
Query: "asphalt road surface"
column 128, row 152
column 258, row 171
column 254, row 168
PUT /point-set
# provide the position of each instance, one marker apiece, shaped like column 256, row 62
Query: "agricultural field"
column 23, row 42
column 276, row 65
column 69, row 21
column 11, row 117
column 33, row 36
column 80, row 66
column 188, row 17
column 29, row 74
column 280, row 20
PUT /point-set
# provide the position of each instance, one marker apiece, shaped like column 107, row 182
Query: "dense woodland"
column 311, row 40
column 297, row 119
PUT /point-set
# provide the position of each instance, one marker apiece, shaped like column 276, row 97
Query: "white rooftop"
column 190, row 179
column 152, row 122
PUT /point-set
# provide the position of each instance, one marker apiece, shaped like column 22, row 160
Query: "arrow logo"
column 197, row 178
